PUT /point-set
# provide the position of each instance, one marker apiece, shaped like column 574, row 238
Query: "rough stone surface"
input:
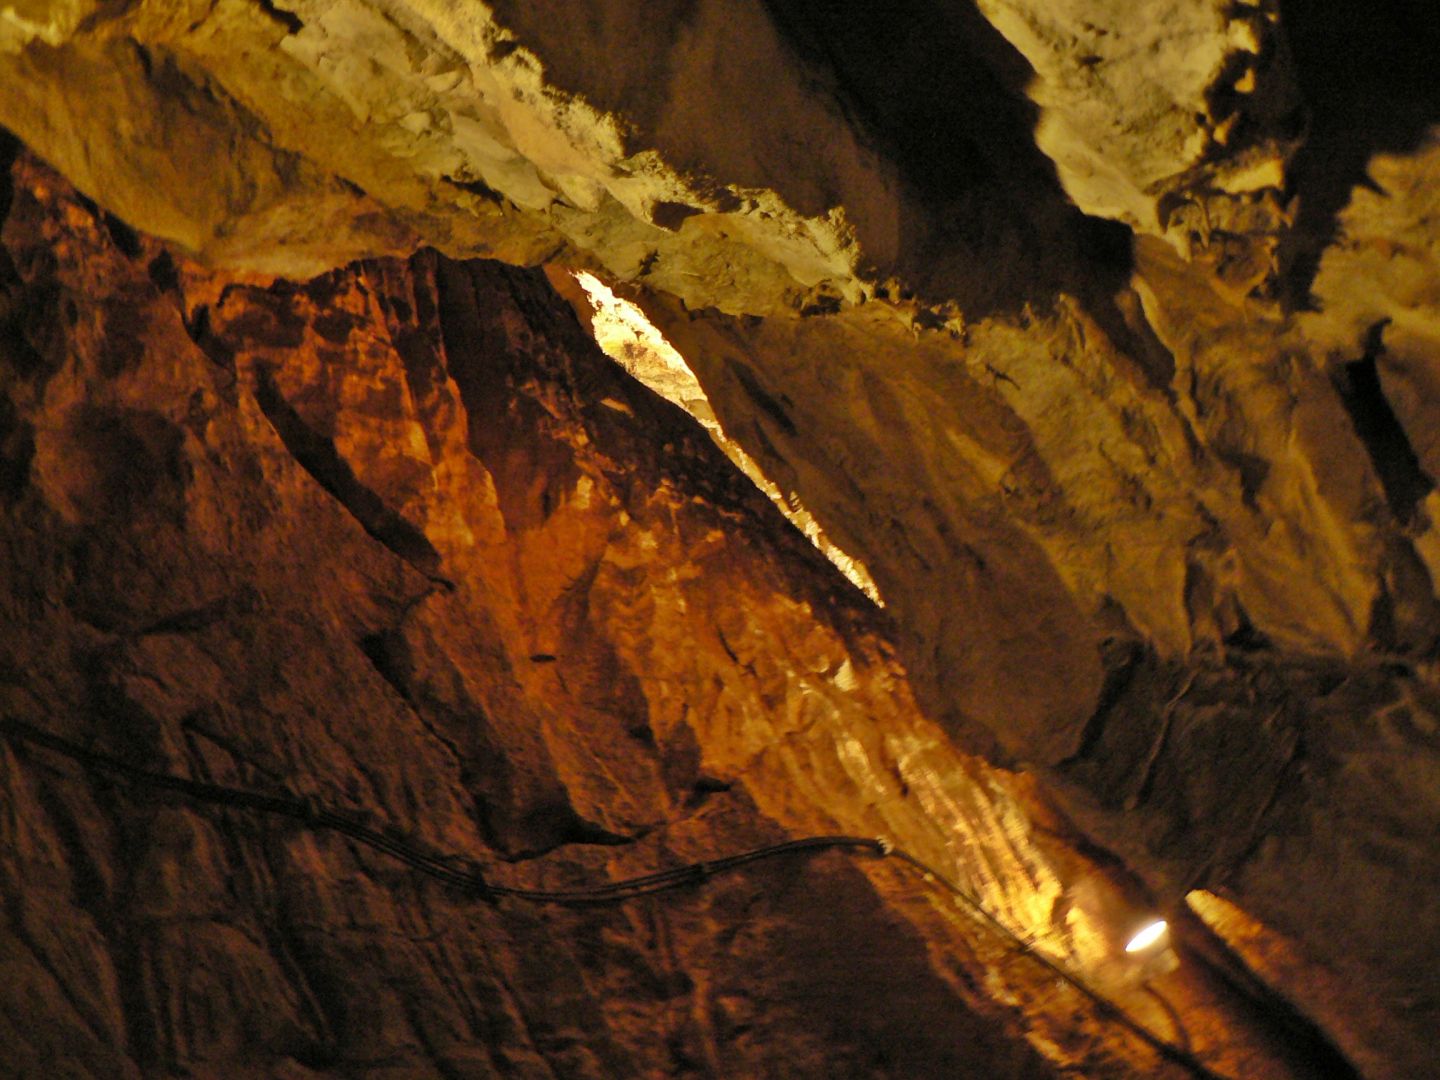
column 402, row 540
column 1104, row 341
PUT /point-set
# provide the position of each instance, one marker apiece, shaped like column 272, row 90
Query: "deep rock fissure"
column 625, row 335
column 317, row 456
column 1406, row 484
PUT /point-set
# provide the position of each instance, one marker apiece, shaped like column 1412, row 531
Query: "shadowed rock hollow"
column 1102, row 341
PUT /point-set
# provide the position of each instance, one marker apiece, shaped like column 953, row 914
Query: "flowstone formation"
column 1099, row 334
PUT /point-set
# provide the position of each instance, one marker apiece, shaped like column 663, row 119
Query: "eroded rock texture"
column 403, row 540
column 1101, row 333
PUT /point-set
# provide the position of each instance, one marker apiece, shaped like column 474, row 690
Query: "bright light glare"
column 625, row 335
column 1148, row 935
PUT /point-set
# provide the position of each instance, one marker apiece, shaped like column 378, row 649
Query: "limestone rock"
column 1102, row 334
column 385, row 540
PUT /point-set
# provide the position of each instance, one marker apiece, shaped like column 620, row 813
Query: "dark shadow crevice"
column 10, row 148
column 317, row 456
column 1391, row 454
column 942, row 94
column 292, row 23
column 1367, row 73
column 1293, row 1035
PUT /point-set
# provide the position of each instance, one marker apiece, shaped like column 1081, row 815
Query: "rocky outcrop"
column 1103, row 343
column 402, row 541
column 760, row 156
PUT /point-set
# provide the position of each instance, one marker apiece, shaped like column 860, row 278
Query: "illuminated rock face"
column 402, row 540
column 1148, row 493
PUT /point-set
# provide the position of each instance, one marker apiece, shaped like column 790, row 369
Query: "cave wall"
column 1105, row 343
column 393, row 540
column 403, row 541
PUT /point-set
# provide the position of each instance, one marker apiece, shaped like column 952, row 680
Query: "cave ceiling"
column 1094, row 339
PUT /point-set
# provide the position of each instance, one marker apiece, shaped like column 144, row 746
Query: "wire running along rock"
column 462, row 874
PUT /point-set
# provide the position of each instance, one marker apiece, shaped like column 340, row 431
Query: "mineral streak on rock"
column 1101, row 333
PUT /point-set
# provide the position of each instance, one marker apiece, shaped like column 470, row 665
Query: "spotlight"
column 1147, row 935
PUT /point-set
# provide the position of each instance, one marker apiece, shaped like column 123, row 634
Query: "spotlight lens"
column 1148, row 935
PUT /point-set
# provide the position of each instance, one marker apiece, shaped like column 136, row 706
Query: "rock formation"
column 1100, row 339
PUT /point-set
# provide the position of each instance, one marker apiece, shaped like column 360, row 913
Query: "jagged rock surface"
column 397, row 541
column 1153, row 520
column 403, row 541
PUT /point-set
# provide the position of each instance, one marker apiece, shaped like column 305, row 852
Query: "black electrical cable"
column 472, row 882
column 441, row 867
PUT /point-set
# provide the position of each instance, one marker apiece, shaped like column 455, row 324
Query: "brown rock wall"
column 1155, row 519
column 397, row 540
